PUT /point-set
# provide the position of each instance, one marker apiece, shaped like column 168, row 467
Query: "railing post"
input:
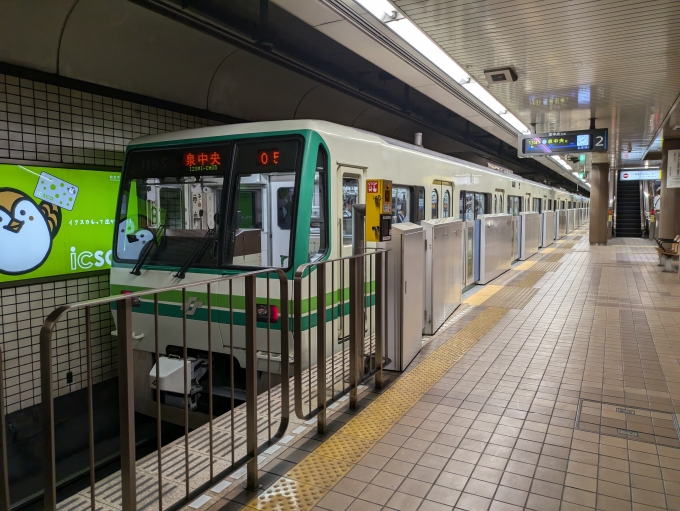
column 4, row 479
column 126, row 396
column 251, row 381
column 321, row 346
column 353, row 369
column 379, row 324
column 47, row 409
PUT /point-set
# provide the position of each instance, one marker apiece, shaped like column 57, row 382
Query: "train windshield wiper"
column 147, row 250
column 198, row 253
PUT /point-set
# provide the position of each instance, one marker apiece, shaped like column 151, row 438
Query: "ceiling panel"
column 615, row 60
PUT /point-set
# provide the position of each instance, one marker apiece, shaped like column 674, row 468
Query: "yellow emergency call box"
column 378, row 210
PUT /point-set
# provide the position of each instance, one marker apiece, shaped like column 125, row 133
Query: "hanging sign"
column 673, row 169
column 640, row 175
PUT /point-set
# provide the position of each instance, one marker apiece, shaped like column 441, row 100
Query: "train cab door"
column 282, row 199
column 351, row 191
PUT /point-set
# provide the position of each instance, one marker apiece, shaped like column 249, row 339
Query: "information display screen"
column 55, row 221
column 585, row 141
column 201, row 159
column 564, row 143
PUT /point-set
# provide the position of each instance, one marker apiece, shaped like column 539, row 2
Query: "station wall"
column 45, row 125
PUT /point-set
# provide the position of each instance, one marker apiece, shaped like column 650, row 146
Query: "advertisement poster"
column 673, row 177
column 55, row 221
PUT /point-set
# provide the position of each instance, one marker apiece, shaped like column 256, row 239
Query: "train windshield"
column 209, row 205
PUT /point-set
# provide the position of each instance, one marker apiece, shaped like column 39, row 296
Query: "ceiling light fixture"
column 409, row 32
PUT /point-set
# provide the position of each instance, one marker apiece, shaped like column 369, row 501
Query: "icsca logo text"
column 86, row 259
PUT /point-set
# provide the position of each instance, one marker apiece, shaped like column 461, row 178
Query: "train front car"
column 201, row 204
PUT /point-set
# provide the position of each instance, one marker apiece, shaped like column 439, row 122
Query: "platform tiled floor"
column 566, row 402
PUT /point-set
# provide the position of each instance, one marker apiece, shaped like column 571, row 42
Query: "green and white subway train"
column 241, row 197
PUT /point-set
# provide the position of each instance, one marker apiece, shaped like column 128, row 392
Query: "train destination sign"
column 561, row 142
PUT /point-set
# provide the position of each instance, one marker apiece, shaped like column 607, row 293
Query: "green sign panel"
column 55, row 221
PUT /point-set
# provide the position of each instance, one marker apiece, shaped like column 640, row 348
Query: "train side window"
column 421, row 205
column 446, row 205
column 318, row 227
column 562, row 204
column 537, row 205
column 515, row 204
column 401, row 204
column 350, row 196
column 480, row 204
column 435, row 204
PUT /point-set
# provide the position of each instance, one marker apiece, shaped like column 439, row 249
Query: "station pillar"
column 599, row 203
column 669, row 220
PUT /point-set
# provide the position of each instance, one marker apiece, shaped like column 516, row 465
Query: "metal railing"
column 124, row 305
column 352, row 291
column 4, row 470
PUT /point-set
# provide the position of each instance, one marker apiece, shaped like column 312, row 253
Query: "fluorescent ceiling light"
column 515, row 123
column 409, row 32
column 378, row 8
column 421, row 42
column 485, row 97
column 561, row 162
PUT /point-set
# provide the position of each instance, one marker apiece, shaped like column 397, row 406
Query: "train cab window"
column 318, row 228
column 261, row 225
column 169, row 208
column 401, row 204
column 350, row 196
column 446, row 205
column 515, row 204
column 435, row 204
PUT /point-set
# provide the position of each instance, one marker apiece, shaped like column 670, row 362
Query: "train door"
column 351, row 191
column 444, row 195
column 281, row 208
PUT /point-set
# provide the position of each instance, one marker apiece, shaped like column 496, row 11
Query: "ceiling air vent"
column 501, row 75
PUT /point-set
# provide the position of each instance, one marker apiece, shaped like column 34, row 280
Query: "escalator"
column 628, row 224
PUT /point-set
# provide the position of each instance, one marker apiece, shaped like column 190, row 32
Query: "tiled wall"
column 40, row 122
column 22, row 312
column 43, row 122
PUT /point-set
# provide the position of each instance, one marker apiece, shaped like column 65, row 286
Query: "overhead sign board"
column 673, row 169
column 55, row 221
column 640, row 175
column 561, row 142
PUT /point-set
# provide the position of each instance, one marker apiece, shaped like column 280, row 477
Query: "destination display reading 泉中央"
column 55, row 221
column 583, row 141
column 198, row 159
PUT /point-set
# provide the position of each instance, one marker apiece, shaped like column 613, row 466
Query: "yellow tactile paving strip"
column 306, row 484
column 530, row 280
column 482, row 295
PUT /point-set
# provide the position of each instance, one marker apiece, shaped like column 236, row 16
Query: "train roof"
column 320, row 127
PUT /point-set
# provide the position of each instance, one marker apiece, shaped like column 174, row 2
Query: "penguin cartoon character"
column 26, row 231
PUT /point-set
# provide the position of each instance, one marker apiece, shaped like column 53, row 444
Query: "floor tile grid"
column 584, row 319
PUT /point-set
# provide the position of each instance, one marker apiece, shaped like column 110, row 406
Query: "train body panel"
column 229, row 199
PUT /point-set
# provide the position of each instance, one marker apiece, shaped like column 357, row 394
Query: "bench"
column 668, row 250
